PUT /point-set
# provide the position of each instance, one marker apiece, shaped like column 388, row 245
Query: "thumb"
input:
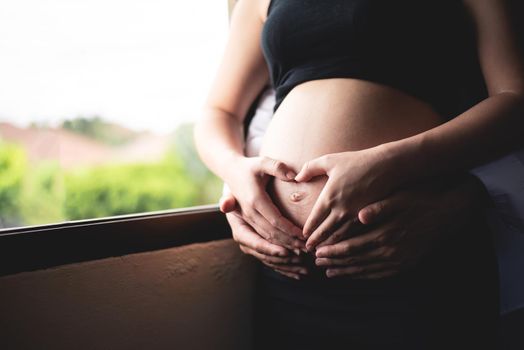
column 380, row 210
column 311, row 169
column 277, row 169
column 227, row 203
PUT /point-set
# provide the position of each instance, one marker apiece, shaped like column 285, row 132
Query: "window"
column 97, row 101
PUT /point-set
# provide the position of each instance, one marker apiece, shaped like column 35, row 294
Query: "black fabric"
column 510, row 331
column 424, row 48
column 450, row 301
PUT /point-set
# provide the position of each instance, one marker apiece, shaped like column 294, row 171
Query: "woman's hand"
column 247, row 181
column 355, row 179
column 274, row 256
column 403, row 229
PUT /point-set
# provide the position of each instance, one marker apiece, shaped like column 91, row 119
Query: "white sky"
column 146, row 64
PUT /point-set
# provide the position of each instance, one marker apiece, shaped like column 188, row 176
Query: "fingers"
column 272, row 215
column 281, row 262
column 288, row 274
column 289, row 268
column 382, row 255
column 325, row 229
column 318, row 214
column 274, row 256
column 353, row 245
column 274, row 234
column 350, row 228
column 280, row 234
column 276, row 168
column 246, row 236
column 380, row 210
column 227, row 203
column 361, row 270
column 315, row 167
column 279, row 237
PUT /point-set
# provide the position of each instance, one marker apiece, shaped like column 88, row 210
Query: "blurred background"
column 97, row 104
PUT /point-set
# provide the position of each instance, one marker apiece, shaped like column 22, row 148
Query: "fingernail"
column 317, row 261
column 303, row 271
column 319, row 253
column 330, row 273
column 298, row 245
column 290, row 175
column 296, row 251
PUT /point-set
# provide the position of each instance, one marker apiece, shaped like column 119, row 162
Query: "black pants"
column 450, row 301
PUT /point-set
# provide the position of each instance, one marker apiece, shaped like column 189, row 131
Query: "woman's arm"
column 219, row 133
column 489, row 129
column 240, row 77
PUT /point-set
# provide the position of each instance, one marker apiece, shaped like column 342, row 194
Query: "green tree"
column 46, row 193
column 100, row 130
column 42, row 196
column 183, row 146
column 130, row 188
column 13, row 163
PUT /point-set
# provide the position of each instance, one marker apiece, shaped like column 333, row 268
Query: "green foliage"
column 42, row 197
column 130, row 188
column 46, row 193
column 183, row 146
column 98, row 129
column 12, row 170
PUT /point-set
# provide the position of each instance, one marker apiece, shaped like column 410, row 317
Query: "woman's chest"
column 314, row 28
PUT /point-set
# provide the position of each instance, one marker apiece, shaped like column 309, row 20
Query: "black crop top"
column 422, row 47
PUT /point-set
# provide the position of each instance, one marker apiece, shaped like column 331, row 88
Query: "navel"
column 297, row 196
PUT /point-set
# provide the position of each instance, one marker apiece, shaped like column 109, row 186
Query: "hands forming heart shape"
column 376, row 241
column 355, row 180
column 346, row 202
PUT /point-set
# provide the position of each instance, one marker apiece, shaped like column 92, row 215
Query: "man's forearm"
column 486, row 131
column 219, row 138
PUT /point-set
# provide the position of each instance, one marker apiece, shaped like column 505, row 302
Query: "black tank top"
column 425, row 48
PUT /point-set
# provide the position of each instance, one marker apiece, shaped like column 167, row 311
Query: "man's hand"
column 281, row 235
column 401, row 229
column 276, row 257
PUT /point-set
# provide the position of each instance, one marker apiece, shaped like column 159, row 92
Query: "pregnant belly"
column 335, row 115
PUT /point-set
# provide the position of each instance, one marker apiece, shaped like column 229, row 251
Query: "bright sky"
column 146, row 64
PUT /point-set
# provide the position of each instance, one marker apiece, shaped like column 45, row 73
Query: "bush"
column 130, row 188
column 45, row 193
column 42, row 197
column 13, row 165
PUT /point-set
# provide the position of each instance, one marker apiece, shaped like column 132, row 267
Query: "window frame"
column 31, row 248
column 38, row 247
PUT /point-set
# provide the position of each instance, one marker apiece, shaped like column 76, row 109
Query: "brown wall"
column 192, row 297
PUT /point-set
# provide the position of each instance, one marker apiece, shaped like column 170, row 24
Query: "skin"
column 411, row 223
column 219, row 133
column 356, row 172
column 395, row 233
column 489, row 129
column 355, row 117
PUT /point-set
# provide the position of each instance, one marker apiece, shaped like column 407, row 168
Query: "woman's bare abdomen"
column 335, row 115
